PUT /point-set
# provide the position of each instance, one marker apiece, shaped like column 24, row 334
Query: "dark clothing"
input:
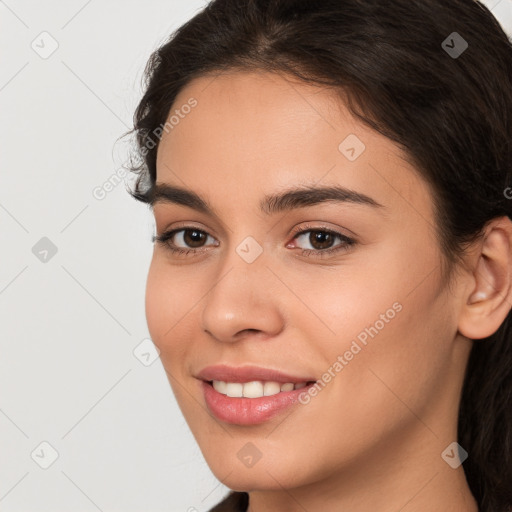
column 234, row 502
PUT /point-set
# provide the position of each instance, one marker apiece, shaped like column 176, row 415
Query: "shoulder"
column 234, row 502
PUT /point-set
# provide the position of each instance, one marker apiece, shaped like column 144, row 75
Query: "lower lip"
column 249, row 411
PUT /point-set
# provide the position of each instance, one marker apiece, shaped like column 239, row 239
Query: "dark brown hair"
column 451, row 114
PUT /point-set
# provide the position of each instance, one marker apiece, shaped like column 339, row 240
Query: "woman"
column 331, row 283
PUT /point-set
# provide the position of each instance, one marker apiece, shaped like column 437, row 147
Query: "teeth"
column 220, row 386
column 254, row 389
column 234, row 389
column 271, row 388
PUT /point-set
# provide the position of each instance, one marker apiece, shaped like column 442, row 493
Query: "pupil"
column 198, row 235
column 317, row 236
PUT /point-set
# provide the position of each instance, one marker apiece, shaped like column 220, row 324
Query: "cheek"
column 400, row 361
column 167, row 302
column 386, row 314
column 337, row 303
column 155, row 303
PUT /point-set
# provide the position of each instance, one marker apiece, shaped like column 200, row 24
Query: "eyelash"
column 347, row 242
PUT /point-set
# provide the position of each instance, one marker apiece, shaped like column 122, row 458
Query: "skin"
column 372, row 439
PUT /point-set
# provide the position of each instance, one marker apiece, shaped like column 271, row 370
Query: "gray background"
column 71, row 374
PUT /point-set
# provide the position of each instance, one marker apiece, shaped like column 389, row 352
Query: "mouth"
column 256, row 388
column 250, row 374
column 245, row 403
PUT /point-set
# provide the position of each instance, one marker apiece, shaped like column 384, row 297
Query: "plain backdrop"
column 88, row 420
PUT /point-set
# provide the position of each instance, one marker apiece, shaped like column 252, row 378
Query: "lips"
column 249, row 411
column 242, row 410
column 248, row 374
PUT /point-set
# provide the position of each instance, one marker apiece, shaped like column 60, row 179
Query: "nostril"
column 248, row 331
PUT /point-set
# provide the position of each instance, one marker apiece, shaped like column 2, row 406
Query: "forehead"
column 268, row 131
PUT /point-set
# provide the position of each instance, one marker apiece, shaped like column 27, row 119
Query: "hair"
column 451, row 115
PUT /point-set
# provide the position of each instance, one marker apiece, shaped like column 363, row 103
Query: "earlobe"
column 490, row 298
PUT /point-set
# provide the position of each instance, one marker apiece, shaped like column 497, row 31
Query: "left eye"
column 319, row 238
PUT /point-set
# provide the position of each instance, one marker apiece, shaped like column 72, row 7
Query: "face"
column 346, row 291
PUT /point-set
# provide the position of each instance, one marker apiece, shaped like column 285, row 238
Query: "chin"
column 270, row 474
column 248, row 480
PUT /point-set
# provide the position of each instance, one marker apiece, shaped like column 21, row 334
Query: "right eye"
column 188, row 235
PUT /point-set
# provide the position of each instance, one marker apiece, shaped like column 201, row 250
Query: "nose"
column 244, row 299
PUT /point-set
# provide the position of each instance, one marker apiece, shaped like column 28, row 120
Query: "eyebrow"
column 299, row 197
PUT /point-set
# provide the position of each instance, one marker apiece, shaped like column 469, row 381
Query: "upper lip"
column 249, row 373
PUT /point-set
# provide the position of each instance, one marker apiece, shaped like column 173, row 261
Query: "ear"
column 488, row 297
